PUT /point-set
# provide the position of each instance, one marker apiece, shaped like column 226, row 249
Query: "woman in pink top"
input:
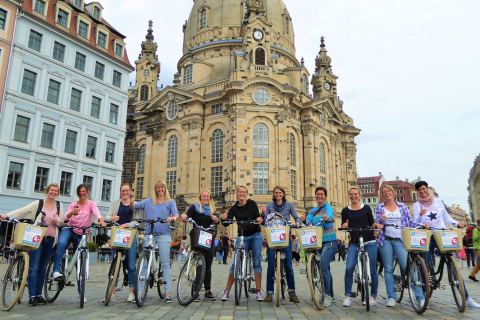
column 50, row 213
column 79, row 214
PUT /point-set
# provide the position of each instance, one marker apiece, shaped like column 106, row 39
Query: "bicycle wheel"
column 161, row 284
column 456, row 283
column 14, row 281
column 113, row 276
column 356, row 279
column 249, row 275
column 398, row 286
column 310, row 273
column 143, row 279
column 81, row 277
column 278, row 278
column 283, row 283
column 191, row 278
column 418, row 284
column 52, row 288
column 364, row 281
column 238, row 276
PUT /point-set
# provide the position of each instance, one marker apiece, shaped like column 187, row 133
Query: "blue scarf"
column 204, row 209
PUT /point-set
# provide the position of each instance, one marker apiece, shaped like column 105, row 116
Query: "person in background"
column 226, row 247
column 468, row 244
column 295, row 250
column 183, row 251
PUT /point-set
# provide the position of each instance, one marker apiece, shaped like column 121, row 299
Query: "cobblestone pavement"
column 67, row 306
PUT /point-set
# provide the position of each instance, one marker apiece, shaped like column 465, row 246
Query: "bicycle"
column 363, row 264
column 448, row 242
column 148, row 268
column 26, row 237
column 193, row 270
column 243, row 273
column 52, row 287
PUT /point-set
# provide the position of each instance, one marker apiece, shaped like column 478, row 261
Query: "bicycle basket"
column 28, row 237
column 203, row 239
column 310, row 238
column 448, row 240
column 415, row 240
column 277, row 236
column 121, row 238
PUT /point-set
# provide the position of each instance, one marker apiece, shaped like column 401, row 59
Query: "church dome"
column 217, row 20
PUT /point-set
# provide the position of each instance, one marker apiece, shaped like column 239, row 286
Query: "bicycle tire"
column 52, row 294
column 364, row 280
column 356, row 278
column 278, row 278
column 398, row 280
column 249, row 276
column 161, row 283
column 318, row 283
column 283, row 283
column 191, row 281
column 113, row 276
column 310, row 279
column 82, row 276
column 143, row 279
column 418, row 277
column 16, row 277
column 238, row 279
column 456, row 283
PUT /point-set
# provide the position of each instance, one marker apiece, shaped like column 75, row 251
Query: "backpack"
column 40, row 207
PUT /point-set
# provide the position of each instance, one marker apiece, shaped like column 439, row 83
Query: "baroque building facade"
column 239, row 112
column 474, row 190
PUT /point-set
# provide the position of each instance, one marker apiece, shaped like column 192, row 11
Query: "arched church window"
column 287, row 22
column 260, row 141
column 260, row 56
column 203, row 18
column 187, row 74
column 217, row 145
column 305, row 83
column 141, row 158
column 144, row 92
column 292, row 144
column 323, row 158
column 172, row 152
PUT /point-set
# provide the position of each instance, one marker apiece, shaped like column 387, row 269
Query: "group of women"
column 160, row 206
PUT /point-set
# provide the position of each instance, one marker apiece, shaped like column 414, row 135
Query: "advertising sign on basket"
column 278, row 234
column 418, row 239
column 450, row 240
column 32, row 236
column 122, row 237
column 309, row 238
column 205, row 239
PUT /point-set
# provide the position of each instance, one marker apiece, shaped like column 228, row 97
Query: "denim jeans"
column 131, row 263
column 253, row 243
column 352, row 255
column 288, row 268
column 38, row 266
column 163, row 243
column 389, row 249
column 328, row 251
column 66, row 235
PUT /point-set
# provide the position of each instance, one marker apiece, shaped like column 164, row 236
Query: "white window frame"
column 68, row 10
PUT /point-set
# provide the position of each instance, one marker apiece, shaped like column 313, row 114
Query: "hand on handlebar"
column 115, row 218
column 345, row 225
column 224, row 216
column 259, row 219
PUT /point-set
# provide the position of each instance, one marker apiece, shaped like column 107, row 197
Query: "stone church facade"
column 242, row 110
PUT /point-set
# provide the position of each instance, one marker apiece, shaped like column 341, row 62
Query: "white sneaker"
column 472, row 304
column 225, row 296
column 131, row 297
column 57, row 276
column 327, row 301
column 373, row 301
column 391, row 302
column 347, row 302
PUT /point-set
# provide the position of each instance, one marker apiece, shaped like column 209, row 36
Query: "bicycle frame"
column 362, row 252
column 82, row 246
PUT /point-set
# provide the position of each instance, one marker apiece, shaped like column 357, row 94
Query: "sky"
column 408, row 75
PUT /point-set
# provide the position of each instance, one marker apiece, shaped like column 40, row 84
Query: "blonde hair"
column 354, row 188
column 389, row 187
column 240, row 186
column 47, row 189
column 211, row 203
column 163, row 184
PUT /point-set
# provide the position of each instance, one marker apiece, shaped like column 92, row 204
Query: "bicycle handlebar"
column 358, row 229
column 240, row 222
column 210, row 228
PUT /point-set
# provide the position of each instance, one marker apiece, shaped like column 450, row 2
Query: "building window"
column 75, row 99
column 41, row 179
column 113, row 117
column 287, row 22
column 216, row 181
column 260, row 56
column 305, row 83
column 53, row 94
column 144, row 90
column 260, row 141
column 172, row 152
column 323, row 182
column 21, row 129
column 95, row 107
column 78, row 4
column 58, row 51
column 261, row 96
column 139, row 191
column 70, row 141
column 106, row 189
column 80, row 60
column 172, row 182
column 260, row 178
column 28, row 82
column 293, row 149
column 102, row 40
column 65, row 183
column 91, row 147
column 187, row 74
column 83, row 29
column 117, row 78
column 88, row 181
column 172, row 110
column 323, row 158
column 217, row 108
column 118, row 50
column 99, row 70
column 3, row 18
column 141, row 158
column 293, row 182
column 48, row 133
column 14, row 178
column 217, row 145
column 110, row 152
column 35, row 40
column 39, row 7
column 62, row 18
column 203, row 18
column 96, row 13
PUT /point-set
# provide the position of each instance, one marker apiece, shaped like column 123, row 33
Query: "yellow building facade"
column 242, row 110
